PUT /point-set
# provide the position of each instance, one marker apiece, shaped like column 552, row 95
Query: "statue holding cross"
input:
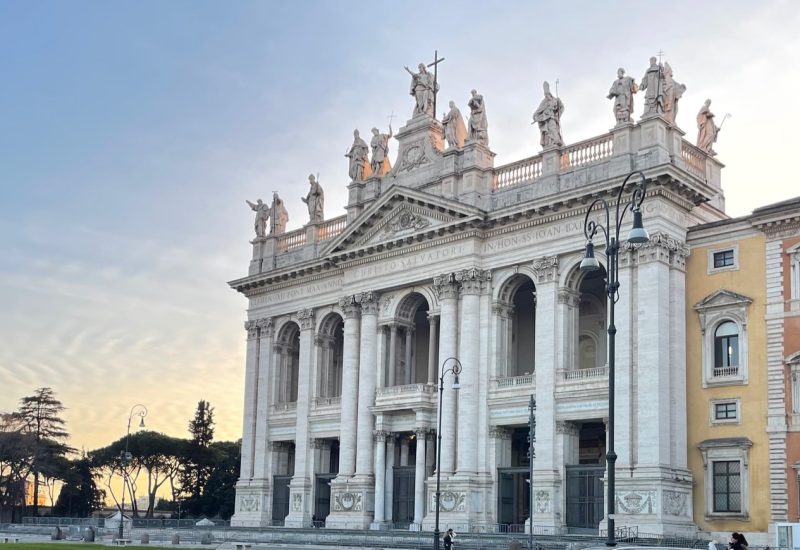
column 424, row 86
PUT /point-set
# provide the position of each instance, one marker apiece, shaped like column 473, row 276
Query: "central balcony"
column 409, row 396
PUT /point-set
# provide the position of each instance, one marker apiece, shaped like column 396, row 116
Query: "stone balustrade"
column 406, row 389
column 522, row 171
column 330, row 228
column 587, row 151
column 694, row 159
column 320, row 402
column 583, row 374
column 514, row 381
column 723, row 372
column 409, row 396
column 284, row 407
column 291, row 240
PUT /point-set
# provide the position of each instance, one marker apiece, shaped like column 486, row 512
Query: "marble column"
column 380, row 479
column 432, row 338
column 300, row 508
column 447, row 289
column 391, row 443
column 392, row 377
column 366, row 384
column 472, row 281
column 262, row 400
column 430, row 456
column 347, row 429
column 419, row 477
column 409, row 340
column 404, row 443
column 250, row 397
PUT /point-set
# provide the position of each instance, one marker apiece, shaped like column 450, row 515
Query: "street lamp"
column 456, row 370
column 637, row 235
column 126, row 457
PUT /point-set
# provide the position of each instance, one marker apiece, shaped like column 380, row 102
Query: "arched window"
column 726, row 346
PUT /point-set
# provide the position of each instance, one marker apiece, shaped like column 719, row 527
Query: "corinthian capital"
column 252, row 329
column 473, row 280
column 349, row 305
column 370, row 302
column 446, row 286
column 265, row 326
column 546, row 269
column 306, row 317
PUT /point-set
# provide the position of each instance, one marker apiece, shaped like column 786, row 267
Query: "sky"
column 131, row 134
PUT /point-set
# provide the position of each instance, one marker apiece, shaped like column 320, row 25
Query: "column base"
column 253, row 504
column 465, row 503
column 300, row 504
column 547, row 499
column 654, row 500
column 352, row 503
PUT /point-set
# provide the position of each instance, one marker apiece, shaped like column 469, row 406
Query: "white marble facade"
column 449, row 256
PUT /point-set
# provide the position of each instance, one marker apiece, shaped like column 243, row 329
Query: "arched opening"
column 409, row 350
column 726, row 348
column 516, row 310
column 330, row 349
column 592, row 321
column 287, row 351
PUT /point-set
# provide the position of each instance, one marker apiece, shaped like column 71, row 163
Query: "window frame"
column 714, row 310
column 733, row 248
column 712, row 411
column 714, row 451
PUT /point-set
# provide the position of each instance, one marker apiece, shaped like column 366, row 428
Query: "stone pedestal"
column 419, row 155
column 263, row 253
column 352, row 503
column 465, row 502
column 253, row 504
column 654, row 143
column 361, row 194
column 300, row 503
column 621, row 162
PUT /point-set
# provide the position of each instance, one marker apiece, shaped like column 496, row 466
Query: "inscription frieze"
column 402, row 263
column 293, row 293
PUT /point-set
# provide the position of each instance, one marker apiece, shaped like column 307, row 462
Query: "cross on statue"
column 391, row 117
column 660, row 54
column 435, row 65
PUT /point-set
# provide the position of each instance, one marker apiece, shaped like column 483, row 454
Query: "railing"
column 512, row 381
column 694, row 158
column 293, row 239
column 281, row 407
column 518, row 172
column 721, row 372
column 331, row 228
column 408, row 388
column 587, row 151
column 328, row 401
column 583, row 374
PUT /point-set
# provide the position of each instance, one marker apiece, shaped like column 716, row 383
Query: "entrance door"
column 513, row 497
column 403, row 506
column 584, row 498
column 322, row 498
column 280, row 498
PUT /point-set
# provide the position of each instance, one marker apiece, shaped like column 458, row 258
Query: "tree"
column 200, row 459
column 153, row 455
column 219, row 494
column 16, row 455
column 40, row 415
column 79, row 496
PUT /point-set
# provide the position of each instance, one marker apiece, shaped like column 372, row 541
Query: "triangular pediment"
column 722, row 298
column 401, row 213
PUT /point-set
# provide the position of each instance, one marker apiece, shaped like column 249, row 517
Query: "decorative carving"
column 369, row 302
column 423, row 89
column 414, row 156
column 546, row 269
column 278, row 446
column 454, row 130
column 473, row 280
column 306, row 317
column 676, row 503
column 349, row 306
column 653, row 86
column 386, row 301
column 478, row 125
column 317, row 443
column 262, row 211
column 673, row 91
column 503, row 310
column 405, row 221
column 252, row 329
column 315, row 200
column 359, row 159
column 380, row 435
column 621, row 92
column 499, row 432
column 637, row 502
column 265, row 326
column 567, row 428
column 380, row 152
column 446, row 286
column 542, row 501
column 248, row 503
column 660, row 247
column 569, row 297
column 347, row 502
column 707, row 131
column 297, row 502
column 548, row 117
column 451, row 502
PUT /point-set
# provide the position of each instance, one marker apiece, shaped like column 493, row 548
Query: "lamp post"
column 637, row 235
column 125, row 458
column 456, row 370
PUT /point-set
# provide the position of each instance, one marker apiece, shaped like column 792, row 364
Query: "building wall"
column 748, row 280
column 791, row 345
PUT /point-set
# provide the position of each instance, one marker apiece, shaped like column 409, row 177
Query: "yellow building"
column 726, row 359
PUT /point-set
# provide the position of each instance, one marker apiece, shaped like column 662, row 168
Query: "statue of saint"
column 280, row 216
column 548, row 116
column 423, row 89
column 673, row 91
column 478, row 125
column 359, row 158
column 621, row 92
column 262, row 215
column 315, row 201
column 707, row 131
column 653, row 85
column 380, row 152
column 454, row 130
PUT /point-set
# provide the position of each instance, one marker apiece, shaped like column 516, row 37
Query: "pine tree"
column 40, row 415
column 200, row 458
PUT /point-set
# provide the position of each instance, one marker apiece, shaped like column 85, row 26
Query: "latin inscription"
column 288, row 294
column 409, row 262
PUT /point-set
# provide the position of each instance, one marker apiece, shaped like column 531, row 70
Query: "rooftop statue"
column 548, row 116
column 380, row 152
column 280, row 216
column 315, row 201
column 262, row 211
column 621, row 92
column 359, row 158
column 454, row 129
column 653, row 86
column 423, row 88
column 478, row 125
column 707, row 131
column 673, row 91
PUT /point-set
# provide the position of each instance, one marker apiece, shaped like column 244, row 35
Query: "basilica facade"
column 353, row 320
